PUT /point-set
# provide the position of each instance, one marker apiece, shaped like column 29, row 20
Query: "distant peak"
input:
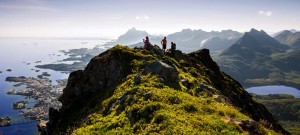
column 132, row 29
column 253, row 30
column 186, row 30
column 262, row 31
column 256, row 32
column 229, row 30
column 286, row 32
column 293, row 30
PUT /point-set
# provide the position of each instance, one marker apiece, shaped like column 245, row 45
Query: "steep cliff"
column 138, row 91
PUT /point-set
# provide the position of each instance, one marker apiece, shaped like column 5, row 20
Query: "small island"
column 12, row 92
column 20, row 105
column 80, row 57
column 46, row 74
column 5, row 121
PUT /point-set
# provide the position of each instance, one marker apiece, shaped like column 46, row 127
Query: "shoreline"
column 39, row 104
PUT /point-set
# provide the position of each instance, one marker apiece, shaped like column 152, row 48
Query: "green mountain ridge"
column 139, row 91
column 258, row 59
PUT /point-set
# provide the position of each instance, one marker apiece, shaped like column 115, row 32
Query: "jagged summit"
column 259, row 39
column 256, row 57
column 132, row 29
column 262, row 37
column 139, row 91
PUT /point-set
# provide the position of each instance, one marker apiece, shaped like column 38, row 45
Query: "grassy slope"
column 157, row 107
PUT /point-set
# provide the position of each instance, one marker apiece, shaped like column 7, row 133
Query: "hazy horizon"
column 93, row 18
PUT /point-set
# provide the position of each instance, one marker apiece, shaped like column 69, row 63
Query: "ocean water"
column 20, row 55
column 274, row 89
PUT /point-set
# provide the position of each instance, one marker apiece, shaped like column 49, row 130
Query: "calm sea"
column 20, row 55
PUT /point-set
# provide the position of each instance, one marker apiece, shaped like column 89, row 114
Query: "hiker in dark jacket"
column 173, row 46
column 171, row 52
column 147, row 43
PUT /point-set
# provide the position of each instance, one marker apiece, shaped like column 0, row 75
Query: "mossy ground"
column 154, row 106
column 158, row 114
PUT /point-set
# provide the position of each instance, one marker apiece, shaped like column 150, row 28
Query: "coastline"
column 22, row 63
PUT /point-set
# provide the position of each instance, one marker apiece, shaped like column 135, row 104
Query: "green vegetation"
column 147, row 102
column 159, row 113
column 284, row 108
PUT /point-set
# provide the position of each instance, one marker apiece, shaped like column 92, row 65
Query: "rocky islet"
column 42, row 91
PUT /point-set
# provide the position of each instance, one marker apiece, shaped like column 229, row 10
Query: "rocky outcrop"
column 203, row 57
column 102, row 72
column 101, row 75
column 88, row 88
column 163, row 70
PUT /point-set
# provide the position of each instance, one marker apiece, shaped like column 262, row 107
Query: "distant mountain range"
column 291, row 30
column 258, row 59
column 186, row 40
column 191, row 40
column 134, row 36
column 253, row 58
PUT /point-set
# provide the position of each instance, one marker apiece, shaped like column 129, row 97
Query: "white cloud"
column 265, row 13
column 143, row 17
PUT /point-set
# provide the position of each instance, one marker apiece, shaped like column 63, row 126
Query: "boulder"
column 137, row 79
column 147, row 95
column 164, row 70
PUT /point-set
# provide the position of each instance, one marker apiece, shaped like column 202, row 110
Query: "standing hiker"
column 164, row 44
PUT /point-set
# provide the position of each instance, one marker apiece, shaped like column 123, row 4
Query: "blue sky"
column 110, row 18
